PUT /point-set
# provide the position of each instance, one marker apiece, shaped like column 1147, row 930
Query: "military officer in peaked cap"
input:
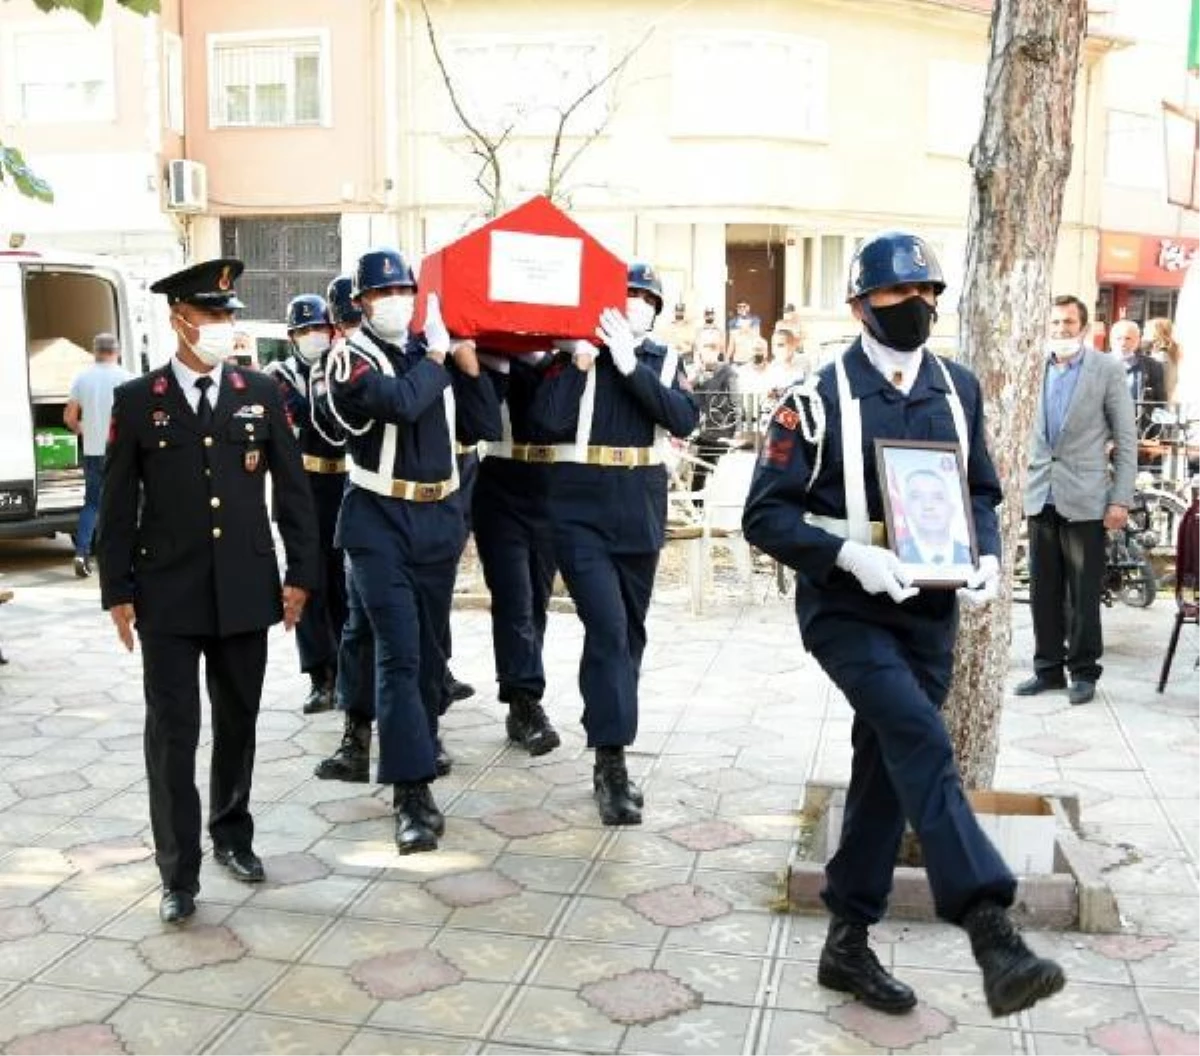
column 187, row 560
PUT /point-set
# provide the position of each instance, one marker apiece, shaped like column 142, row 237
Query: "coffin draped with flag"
column 523, row 280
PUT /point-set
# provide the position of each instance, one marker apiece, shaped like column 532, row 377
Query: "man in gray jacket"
column 1071, row 497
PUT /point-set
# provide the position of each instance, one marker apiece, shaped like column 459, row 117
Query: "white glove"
column 437, row 337
column 878, row 570
column 983, row 584
column 614, row 330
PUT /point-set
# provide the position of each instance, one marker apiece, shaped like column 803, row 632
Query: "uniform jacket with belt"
column 412, row 400
column 184, row 531
column 1077, row 467
column 784, row 487
column 622, row 509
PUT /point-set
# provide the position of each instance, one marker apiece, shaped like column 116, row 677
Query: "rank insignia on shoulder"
column 236, row 380
column 159, row 388
column 787, row 417
column 160, row 419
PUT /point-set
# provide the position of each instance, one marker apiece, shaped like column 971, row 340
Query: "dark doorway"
column 755, row 271
column 284, row 256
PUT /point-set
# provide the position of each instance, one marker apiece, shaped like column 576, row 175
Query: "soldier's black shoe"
column 352, row 760
column 321, row 693
column 176, row 906
column 610, row 785
column 423, row 802
column 1014, row 977
column 528, row 726
column 443, row 761
column 241, row 862
column 849, row 965
column 457, row 690
column 414, row 826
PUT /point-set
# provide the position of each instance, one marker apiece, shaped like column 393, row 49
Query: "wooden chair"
column 1187, row 582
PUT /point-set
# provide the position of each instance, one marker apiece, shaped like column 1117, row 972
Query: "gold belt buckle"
column 543, row 453
column 618, row 456
column 428, row 492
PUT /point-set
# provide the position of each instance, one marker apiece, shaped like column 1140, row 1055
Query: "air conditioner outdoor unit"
column 187, row 186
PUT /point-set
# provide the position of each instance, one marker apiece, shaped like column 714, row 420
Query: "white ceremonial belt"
column 837, row 526
column 409, row 490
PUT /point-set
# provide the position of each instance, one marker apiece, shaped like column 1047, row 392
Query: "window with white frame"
column 526, row 84
column 277, row 80
column 1133, row 150
column 955, row 106
column 172, row 70
column 719, row 82
column 63, row 76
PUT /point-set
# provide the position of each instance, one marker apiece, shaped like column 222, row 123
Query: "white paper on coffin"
column 535, row 269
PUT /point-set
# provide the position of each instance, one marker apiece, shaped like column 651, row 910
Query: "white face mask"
column 214, row 342
column 390, row 316
column 640, row 315
column 312, row 346
column 1063, row 348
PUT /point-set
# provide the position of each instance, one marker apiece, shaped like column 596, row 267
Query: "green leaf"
column 27, row 182
column 93, row 10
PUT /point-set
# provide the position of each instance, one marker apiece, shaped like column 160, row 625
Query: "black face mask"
column 904, row 326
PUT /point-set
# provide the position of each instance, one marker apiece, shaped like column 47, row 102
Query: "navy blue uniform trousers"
column 356, row 656
column 320, row 627
column 895, row 673
column 516, row 550
column 612, row 595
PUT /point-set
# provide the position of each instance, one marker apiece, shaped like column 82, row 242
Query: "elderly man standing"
column 1071, row 499
column 87, row 412
column 1143, row 375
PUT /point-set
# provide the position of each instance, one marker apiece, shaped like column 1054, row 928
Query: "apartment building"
column 743, row 148
column 98, row 111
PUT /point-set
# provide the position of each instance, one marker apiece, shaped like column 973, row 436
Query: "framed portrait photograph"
column 928, row 510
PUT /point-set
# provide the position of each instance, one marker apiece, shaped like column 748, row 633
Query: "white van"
column 51, row 306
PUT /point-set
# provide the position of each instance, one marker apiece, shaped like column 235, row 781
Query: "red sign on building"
column 1145, row 260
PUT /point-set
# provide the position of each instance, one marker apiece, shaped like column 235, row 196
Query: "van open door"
column 51, row 306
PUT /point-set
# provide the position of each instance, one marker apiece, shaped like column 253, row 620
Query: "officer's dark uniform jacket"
column 402, row 412
column 185, row 534
column 609, row 484
column 805, row 437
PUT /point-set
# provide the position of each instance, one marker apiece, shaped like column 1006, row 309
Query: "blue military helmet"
column 309, row 309
column 379, row 268
column 893, row 258
column 644, row 277
column 341, row 306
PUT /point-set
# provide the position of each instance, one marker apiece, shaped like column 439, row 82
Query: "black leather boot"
column 415, row 830
column 352, row 760
column 610, row 784
column 320, row 694
column 443, row 761
column 850, row 966
column 528, row 726
column 457, row 690
column 1014, row 977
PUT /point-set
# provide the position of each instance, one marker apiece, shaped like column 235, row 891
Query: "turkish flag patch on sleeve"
column 787, row 417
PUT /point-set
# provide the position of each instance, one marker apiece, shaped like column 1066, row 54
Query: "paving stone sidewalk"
column 534, row 928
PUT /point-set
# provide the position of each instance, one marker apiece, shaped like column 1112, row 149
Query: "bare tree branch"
column 484, row 147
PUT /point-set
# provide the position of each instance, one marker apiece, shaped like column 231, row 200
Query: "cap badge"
column 918, row 256
column 224, row 282
column 388, row 266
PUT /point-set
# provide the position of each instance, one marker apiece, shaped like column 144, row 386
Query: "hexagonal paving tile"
column 888, row 1031
column 194, row 947
column 360, row 808
column 678, row 905
column 517, row 823
column 20, row 922
column 405, row 973
column 88, row 857
column 97, row 1038
column 50, row 785
column 295, row 868
column 473, row 888
column 708, row 835
column 641, row 996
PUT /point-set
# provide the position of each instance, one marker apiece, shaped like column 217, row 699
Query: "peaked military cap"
column 208, row 284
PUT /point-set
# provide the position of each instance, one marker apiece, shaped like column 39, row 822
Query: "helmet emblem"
column 388, row 267
column 918, row 256
column 223, row 280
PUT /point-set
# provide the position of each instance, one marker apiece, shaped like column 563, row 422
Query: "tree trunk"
column 1020, row 162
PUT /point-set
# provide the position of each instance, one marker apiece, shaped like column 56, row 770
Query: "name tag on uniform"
column 250, row 410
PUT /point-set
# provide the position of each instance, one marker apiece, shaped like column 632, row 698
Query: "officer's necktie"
column 204, row 410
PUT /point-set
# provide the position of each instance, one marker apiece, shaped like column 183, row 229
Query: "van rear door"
column 17, row 478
